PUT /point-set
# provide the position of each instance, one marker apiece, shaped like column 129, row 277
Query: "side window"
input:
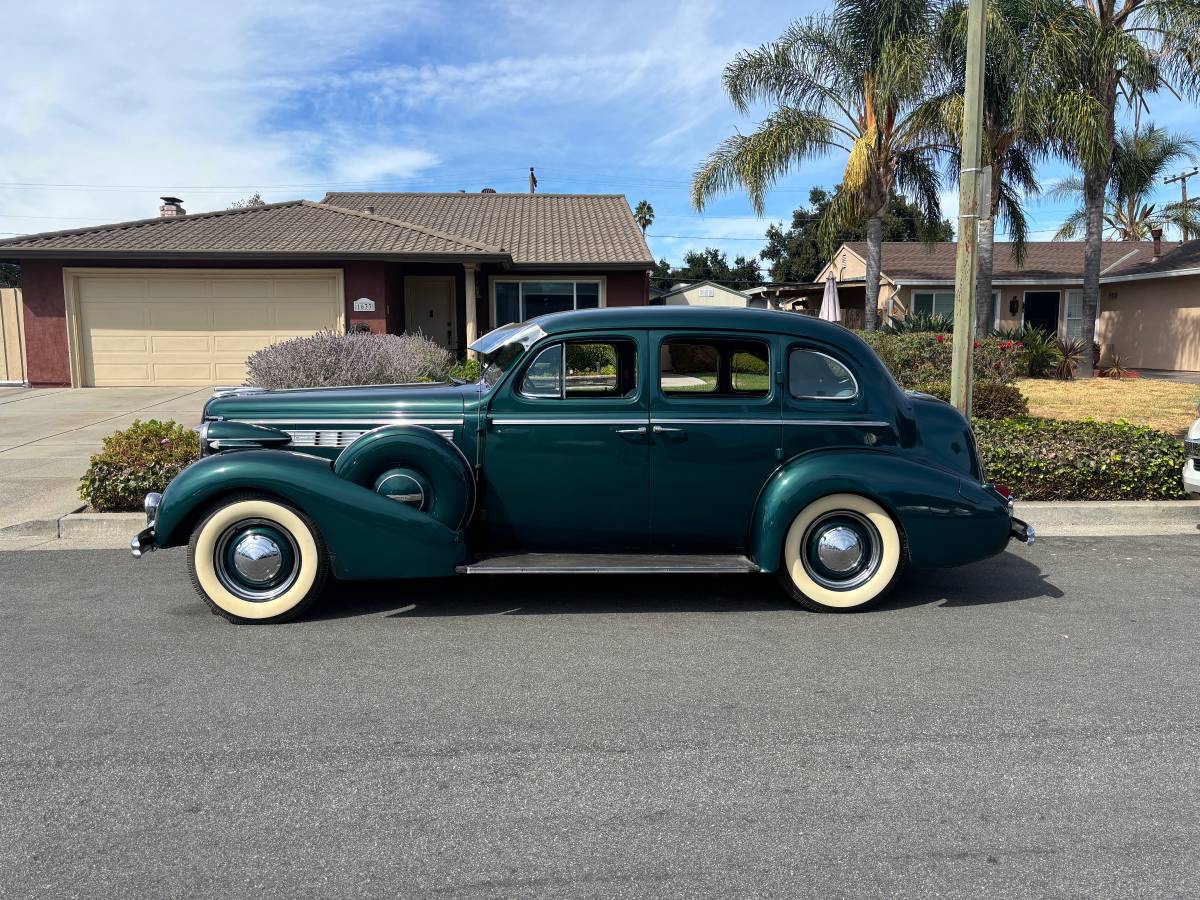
column 814, row 376
column 601, row 369
column 543, row 378
column 715, row 368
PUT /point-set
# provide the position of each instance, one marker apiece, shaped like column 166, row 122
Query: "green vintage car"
column 645, row 440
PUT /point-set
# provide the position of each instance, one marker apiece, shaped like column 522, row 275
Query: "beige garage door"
column 139, row 328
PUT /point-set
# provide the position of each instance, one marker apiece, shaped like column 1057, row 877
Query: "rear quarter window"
column 813, row 375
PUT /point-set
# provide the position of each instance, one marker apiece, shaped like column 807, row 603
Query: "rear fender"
column 368, row 535
column 946, row 519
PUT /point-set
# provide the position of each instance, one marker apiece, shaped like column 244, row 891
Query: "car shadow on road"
column 1002, row 579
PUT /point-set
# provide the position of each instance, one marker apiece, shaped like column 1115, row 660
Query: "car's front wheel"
column 841, row 553
column 254, row 558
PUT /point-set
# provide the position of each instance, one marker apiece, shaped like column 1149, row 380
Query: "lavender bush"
column 329, row 360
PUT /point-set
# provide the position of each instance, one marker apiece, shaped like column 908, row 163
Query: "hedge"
column 922, row 358
column 988, row 400
column 1048, row 459
column 132, row 463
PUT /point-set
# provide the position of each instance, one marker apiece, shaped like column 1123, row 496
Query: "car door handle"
column 663, row 429
column 641, row 429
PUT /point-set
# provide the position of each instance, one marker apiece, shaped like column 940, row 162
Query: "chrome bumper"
column 143, row 541
column 1021, row 531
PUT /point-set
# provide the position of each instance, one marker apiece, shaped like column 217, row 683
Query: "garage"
column 145, row 327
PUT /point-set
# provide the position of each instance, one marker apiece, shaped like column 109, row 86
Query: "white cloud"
column 158, row 98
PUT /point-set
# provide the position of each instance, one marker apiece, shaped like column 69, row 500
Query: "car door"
column 715, row 432
column 566, row 455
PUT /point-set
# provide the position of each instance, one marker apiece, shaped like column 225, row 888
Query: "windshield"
column 500, row 348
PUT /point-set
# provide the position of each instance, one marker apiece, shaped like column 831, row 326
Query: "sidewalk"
column 48, row 434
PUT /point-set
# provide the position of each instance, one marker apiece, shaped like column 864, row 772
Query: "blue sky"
column 116, row 104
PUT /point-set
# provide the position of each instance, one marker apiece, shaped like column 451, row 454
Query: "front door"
column 1041, row 310
column 429, row 308
column 715, row 432
column 566, row 454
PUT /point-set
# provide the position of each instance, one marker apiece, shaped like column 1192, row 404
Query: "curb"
column 1064, row 518
column 1078, row 518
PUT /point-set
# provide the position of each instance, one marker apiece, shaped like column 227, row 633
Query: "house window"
column 934, row 303
column 707, row 291
column 1074, row 322
column 519, row 300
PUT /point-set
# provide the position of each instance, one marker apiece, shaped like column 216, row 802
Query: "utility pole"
column 1182, row 178
column 969, row 183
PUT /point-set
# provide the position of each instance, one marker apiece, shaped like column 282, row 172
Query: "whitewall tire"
column 254, row 558
column 841, row 553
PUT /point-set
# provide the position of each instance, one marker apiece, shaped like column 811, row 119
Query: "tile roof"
column 912, row 262
column 534, row 228
column 297, row 226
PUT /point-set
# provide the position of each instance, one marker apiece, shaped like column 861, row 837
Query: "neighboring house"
column 184, row 299
column 704, row 293
column 1149, row 297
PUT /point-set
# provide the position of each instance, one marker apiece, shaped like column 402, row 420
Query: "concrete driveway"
column 48, row 434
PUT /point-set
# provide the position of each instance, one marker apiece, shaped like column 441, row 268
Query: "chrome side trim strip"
column 855, row 423
column 331, row 437
column 343, row 420
column 503, row 421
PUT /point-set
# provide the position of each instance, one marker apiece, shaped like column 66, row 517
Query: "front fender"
column 368, row 535
column 948, row 520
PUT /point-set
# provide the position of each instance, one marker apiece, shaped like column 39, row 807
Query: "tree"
column 710, row 264
column 254, row 199
column 10, row 275
column 1017, row 93
column 1114, row 52
column 848, row 81
column 644, row 214
column 1140, row 159
column 798, row 255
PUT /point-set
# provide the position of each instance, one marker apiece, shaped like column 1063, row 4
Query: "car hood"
column 369, row 405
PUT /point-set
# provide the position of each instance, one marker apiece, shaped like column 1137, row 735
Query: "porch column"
column 472, row 325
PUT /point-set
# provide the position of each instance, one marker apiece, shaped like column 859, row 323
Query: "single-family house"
column 1149, row 292
column 703, row 293
column 183, row 299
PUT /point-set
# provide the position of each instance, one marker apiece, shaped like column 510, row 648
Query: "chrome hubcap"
column 257, row 558
column 840, row 549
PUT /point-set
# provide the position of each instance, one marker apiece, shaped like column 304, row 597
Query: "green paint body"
column 645, row 473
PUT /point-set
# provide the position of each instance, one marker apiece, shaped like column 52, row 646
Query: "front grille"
column 1192, row 446
column 333, row 438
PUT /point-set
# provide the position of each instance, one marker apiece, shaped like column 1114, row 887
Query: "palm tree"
column 1016, row 94
column 644, row 214
column 848, row 81
column 1140, row 158
column 1114, row 52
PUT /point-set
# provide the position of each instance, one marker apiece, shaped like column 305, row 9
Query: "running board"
column 606, row 564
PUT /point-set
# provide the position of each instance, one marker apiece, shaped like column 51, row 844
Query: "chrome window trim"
column 788, row 377
column 333, row 420
column 562, row 374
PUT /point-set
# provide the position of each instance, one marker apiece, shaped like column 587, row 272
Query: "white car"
column 1191, row 468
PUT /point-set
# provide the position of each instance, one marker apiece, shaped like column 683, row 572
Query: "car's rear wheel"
column 254, row 558
column 841, row 553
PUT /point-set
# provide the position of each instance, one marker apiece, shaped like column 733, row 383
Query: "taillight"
column 1003, row 491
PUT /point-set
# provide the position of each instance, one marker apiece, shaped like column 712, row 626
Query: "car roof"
column 716, row 319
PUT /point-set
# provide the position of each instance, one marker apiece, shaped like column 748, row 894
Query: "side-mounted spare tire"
column 413, row 464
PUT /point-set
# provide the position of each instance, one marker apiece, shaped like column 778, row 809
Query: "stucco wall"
column 47, row 359
column 1153, row 324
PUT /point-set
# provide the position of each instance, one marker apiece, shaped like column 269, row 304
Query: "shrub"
column 469, row 370
column 924, row 357
column 1070, row 355
column 327, row 359
column 1048, row 459
column 989, row 400
column 1039, row 349
column 132, row 463
column 917, row 322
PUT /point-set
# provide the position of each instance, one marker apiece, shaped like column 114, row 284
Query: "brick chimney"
column 171, row 207
column 1156, row 233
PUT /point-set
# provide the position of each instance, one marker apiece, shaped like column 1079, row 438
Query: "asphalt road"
column 1026, row 726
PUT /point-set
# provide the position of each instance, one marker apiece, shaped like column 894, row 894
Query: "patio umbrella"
column 831, row 310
